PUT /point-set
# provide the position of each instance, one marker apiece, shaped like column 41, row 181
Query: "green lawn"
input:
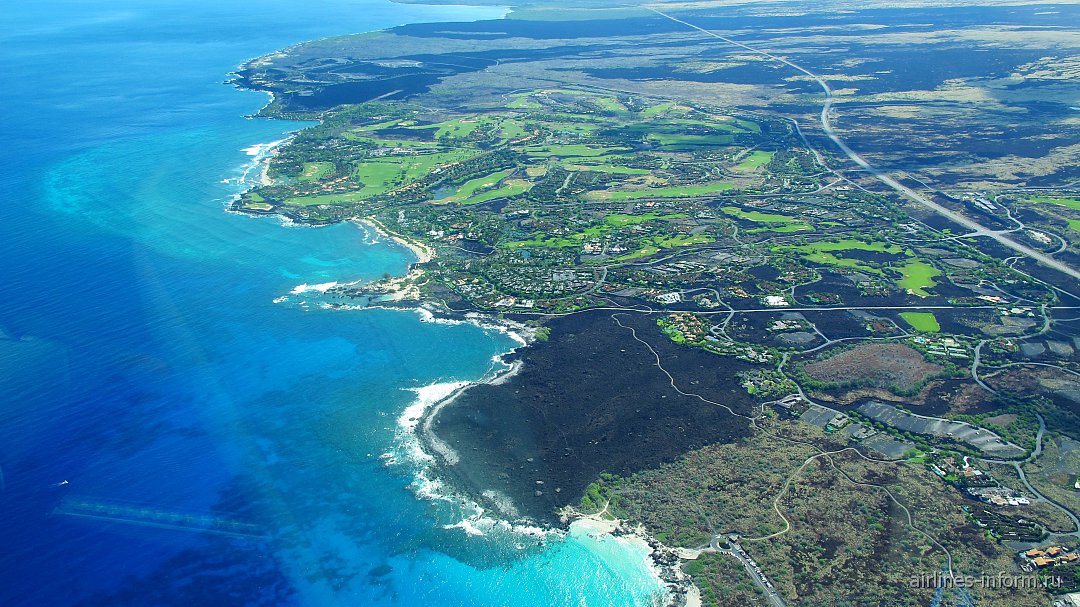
column 747, row 125
column 1072, row 203
column 671, row 192
column 849, row 244
column 307, row 201
column 620, row 219
column 782, row 224
column 682, row 240
column 389, row 143
column 510, row 129
column 470, row 187
column 504, row 192
column 755, row 160
column 917, row 277
column 317, row 171
column 381, row 176
column 375, row 127
column 924, row 322
column 608, row 168
column 571, row 150
column 573, row 127
column 784, row 229
column 665, row 242
column 540, row 240
column 822, row 252
column 648, row 246
column 689, row 141
column 642, row 252
column 523, row 101
column 455, row 129
column 757, row 216
column 653, row 110
column 609, row 104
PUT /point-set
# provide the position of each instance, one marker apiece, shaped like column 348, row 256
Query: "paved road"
column 826, row 125
column 753, row 569
column 975, row 368
column 1037, row 496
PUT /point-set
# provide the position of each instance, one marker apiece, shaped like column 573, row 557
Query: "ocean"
column 181, row 421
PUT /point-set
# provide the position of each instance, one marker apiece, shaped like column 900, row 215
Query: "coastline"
column 437, row 482
column 437, row 459
column 431, row 454
column 423, row 252
column 664, row 562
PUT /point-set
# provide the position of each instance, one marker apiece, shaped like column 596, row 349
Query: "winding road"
column 976, row 228
column 1037, row 495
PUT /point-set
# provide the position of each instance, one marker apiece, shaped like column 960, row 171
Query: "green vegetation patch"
column 609, row 104
column 784, row 229
column 317, row 171
column 389, row 143
column 655, row 110
column 682, row 240
column 917, row 277
column 677, row 142
column 469, row 188
column 924, row 322
column 638, row 254
column 571, row 150
column 669, row 192
column 783, row 224
column 608, row 168
column 757, row 216
column 385, row 174
column 823, row 253
column 507, row 191
column 755, row 160
column 851, row 245
column 510, row 129
column 543, row 241
column 620, row 219
column 457, row 128
column 337, row 198
column 1072, row 203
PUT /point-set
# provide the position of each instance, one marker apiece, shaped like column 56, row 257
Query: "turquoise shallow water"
column 151, row 389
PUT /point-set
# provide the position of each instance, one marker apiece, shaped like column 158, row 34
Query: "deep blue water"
column 150, row 387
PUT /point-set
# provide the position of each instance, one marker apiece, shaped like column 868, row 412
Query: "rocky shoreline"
column 665, row 562
column 404, row 293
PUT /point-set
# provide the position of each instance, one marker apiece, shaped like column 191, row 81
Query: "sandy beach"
column 423, row 252
column 665, row 562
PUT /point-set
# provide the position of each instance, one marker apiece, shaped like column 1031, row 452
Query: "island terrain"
column 802, row 287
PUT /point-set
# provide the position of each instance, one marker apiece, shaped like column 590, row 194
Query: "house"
column 1047, row 557
column 669, row 298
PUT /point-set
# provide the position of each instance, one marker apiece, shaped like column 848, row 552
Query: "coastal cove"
column 192, row 416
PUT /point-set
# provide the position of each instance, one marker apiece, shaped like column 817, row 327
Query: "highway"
column 976, row 228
